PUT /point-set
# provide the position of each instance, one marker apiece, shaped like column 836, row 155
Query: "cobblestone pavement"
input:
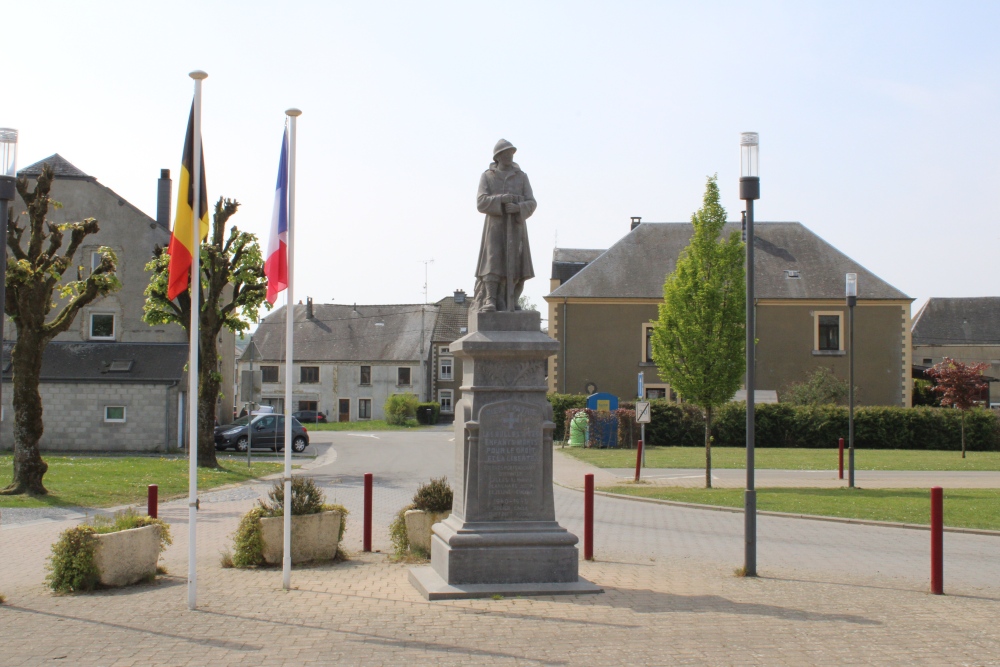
column 829, row 594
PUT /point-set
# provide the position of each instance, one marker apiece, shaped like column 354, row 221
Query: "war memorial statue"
column 502, row 536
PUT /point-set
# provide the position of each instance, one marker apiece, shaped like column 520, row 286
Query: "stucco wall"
column 74, row 417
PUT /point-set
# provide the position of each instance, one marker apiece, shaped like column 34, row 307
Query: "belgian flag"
column 181, row 250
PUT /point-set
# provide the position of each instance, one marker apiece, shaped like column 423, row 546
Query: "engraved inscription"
column 510, row 461
column 507, row 374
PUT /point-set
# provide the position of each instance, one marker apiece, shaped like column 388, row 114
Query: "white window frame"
column 114, row 323
column 109, row 420
column 451, row 368
column 444, row 349
column 360, row 418
column 451, row 399
column 664, row 387
column 840, row 329
column 646, row 326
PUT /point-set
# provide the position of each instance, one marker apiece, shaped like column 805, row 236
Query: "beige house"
column 446, row 369
column 603, row 303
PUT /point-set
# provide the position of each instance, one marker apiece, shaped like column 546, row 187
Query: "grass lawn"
column 789, row 458
column 107, row 481
column 963, row 508
column 370, row 425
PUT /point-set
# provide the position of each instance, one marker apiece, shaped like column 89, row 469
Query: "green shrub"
column 399, row 408
column 248, row 541
column 560, row 404
column 434, row 496
column 428, row 413
column 397, row 533
column 822, row 387
column 307, row 498
column 71, row 566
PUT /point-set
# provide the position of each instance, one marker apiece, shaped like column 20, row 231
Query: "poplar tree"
column 698, row 340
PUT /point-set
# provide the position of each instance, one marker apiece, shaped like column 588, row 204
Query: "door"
column 345, row 410
column 264, row 432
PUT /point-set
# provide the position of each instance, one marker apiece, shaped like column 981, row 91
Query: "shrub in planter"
column 317, row 527
column 82, row 561
column 410, row 531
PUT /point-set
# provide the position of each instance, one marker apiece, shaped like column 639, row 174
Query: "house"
column 446, row 370
column 965, row 329
column 347, row 359
column 602, row 314
column 111, row 382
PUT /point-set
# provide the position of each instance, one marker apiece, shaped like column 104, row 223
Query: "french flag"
column 276, row 264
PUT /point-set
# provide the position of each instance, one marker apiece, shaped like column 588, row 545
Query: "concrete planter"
column 314, row 537
column 418, row 527
column 128, row 556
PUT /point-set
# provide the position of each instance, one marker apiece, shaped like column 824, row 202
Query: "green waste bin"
column 578, row 430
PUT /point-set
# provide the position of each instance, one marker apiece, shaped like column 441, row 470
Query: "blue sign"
column 640, row 394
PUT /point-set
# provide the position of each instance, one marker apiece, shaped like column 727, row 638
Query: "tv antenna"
column 426, row 262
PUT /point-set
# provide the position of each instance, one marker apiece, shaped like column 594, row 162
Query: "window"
column 114, row 413
column 268, row 373
column 444, row 349
column 403, row 376
column 95, row 260
column 928, row 362
column 445, row 368
column 366, row 375
column 309, row 374
column 656, row 392
column 364, row 408
column 445, row 397
column 102, row 326
column 647, row 342
column 828, row 336
column 309, row 405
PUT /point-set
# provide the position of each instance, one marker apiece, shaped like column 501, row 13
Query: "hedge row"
column 783, row 425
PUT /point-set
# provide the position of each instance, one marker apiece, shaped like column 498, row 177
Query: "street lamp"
column 749, row 191
column 852, row 300
column 8, row 180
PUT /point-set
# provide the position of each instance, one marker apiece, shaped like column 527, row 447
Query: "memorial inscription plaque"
column 510, row 463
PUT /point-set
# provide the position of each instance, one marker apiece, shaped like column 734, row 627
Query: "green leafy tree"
column 698, row 340
column 233, row 288
column 34, row 275
column 960, row 386
column 821, row 388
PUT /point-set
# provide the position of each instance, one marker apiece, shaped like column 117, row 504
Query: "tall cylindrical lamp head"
column 851, row 289
column 749, row 166
column 8, row 163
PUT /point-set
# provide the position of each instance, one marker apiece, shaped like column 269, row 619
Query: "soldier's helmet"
column 501, row 146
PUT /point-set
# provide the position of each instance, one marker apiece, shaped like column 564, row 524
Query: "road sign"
column 641, row 383
column 642, row 412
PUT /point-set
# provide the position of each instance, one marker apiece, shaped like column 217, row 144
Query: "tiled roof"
column 108, row 362
column 452, row 318
column 61, row 167
column 349, row 333
column 958, row 321
column 567, row 262
column 637, row 265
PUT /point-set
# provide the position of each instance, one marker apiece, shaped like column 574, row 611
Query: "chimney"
column 636, row 219
column 309, row 307
column 163, row 199
column 459, row 296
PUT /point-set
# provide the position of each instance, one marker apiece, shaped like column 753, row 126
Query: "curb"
column 786, row 515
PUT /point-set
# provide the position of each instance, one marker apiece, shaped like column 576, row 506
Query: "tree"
column 821, row 388
column 233, row 288
column 959, row 385
column 34, row 274
column 698, row 341
column 524, row 302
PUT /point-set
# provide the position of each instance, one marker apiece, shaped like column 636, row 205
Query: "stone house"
column 446, row 369
column 964, row 329
column 602, row 305
column 111, row 381
column 348, row 359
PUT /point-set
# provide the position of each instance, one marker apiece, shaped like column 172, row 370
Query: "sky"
column 877, row 121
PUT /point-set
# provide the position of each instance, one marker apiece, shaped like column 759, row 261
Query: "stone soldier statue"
column 504, row 256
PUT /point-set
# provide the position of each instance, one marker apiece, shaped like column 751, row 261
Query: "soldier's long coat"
column 493, row 249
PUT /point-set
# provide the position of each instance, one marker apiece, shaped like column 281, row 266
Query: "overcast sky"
column 877, row 121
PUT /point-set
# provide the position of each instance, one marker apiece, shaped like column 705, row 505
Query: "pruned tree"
column 698, row 340
column 34, row 275
column 960, row 385
column 233, row 287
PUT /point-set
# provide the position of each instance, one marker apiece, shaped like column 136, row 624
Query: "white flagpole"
column 286, row 577
column 195, row 284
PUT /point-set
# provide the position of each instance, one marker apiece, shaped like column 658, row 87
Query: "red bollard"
column 152, row 500
column 368, row 512
column 937, row 540
column 588, row 516
column 638, row 461
column 841, row 458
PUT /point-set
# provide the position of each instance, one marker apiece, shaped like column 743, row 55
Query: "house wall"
column 438, row 384
column 341, row 380
column 968, row 354
column 74, row 417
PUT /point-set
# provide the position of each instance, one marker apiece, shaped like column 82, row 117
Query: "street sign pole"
column 642, row 415
column 642, row 425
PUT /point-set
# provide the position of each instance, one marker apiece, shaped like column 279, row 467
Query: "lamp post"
column 8, row 180
column 852, row 300
column 749, row 192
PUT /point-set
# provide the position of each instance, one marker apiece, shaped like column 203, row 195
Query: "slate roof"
column 637, row 265
column 452, row 317
column 958, row 321
column 151, row 363
column 348, row 333
column 60, row 166
column 567, row 262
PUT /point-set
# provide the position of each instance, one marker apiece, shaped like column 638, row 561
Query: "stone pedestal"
column 502, row 536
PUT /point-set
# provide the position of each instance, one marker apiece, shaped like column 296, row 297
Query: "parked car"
column 263, row 432
column 310, row 417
